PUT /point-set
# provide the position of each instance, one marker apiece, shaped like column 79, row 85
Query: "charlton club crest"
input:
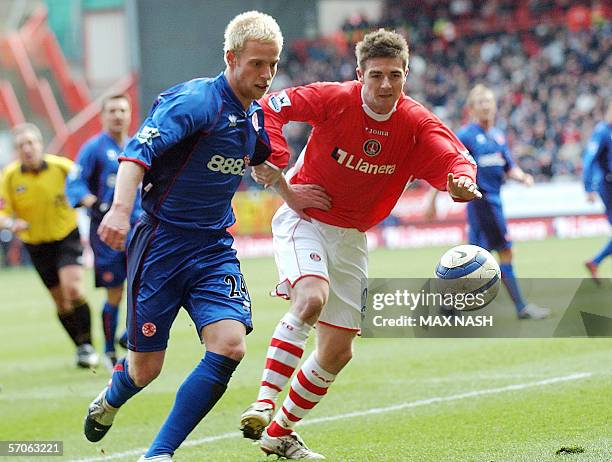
column 372, row 148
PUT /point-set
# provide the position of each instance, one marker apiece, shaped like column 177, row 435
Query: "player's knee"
column 505, row 255
column 310, row 303
column 73, row 294
column 144, row 375
column 235, row 352
column 343, row 357
column 63, row 307
column 333, row 360
column 234, row 348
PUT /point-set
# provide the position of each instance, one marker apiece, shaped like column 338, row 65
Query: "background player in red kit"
column 368, row 141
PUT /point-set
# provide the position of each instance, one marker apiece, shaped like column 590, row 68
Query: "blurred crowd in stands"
column 549, row 62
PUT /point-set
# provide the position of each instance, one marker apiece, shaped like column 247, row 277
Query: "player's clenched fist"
column 462, row 188
column 114, row 228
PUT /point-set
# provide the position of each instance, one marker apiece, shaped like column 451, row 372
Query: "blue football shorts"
column 170, row 268
column 487, row 223
column 110, row 266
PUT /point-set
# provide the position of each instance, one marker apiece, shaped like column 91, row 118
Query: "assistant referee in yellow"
column 33, row 206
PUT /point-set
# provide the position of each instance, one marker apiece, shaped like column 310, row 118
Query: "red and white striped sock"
column 307, row 389
column 284, row 354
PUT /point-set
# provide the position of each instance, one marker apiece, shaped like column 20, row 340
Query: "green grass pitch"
column 421, row 400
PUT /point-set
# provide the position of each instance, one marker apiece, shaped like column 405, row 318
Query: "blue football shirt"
column 490, row 151
column 195, row 145
column 597, row 160
column 95, row 172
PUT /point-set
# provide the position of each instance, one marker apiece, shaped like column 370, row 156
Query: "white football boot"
column 160, row 458
column 86, row 356
column 532, row 311
column 291, row 447
column 255, row 418
column 100, row 416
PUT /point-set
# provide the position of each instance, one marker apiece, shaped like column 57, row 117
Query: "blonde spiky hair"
column 478, row 90
column 251, row 25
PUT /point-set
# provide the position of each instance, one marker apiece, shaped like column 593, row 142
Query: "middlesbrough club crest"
column 372, row 148
column 149, row 329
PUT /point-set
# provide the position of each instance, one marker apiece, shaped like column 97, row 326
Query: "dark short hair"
column 382, row 44
column 109, row 98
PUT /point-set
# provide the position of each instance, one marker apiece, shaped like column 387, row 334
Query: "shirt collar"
column 111, row 139
column 225, row 86
column 375, row 115
column 43, row 166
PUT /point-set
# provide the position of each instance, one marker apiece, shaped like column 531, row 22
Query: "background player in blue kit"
column 597, row 175
column 92, row 184
column 487, row 223
column 190, row 155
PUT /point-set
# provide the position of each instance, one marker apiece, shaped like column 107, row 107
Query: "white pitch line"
column 373, row 411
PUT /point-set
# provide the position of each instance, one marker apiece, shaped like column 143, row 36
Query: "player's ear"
column 359, row 74
column 230, row 58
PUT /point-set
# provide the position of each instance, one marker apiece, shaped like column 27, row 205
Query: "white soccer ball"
column 469, row 269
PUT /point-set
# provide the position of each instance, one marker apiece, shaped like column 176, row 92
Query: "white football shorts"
column 337, row 255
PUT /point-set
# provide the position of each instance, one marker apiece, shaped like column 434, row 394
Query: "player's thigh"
column 218, row 291
column 348, row 273
column 300, row 250
column 157, row 278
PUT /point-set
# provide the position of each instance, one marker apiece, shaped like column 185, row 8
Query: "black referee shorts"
column 49, row 257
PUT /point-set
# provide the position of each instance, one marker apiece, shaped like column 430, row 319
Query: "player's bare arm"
column 89, row 200
column 266, row 174
column 462, row 188
column 116, row 223
column 302, row 196
column 14, row 225
column 516, row 173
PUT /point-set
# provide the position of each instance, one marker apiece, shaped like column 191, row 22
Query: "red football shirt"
column 364, row 164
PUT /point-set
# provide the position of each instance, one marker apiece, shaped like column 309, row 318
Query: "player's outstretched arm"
column 462, row 188
column 116, row 223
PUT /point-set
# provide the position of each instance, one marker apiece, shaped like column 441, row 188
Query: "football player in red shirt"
column 369, row 140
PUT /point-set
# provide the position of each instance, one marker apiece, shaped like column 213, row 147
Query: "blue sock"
column 194, row 399
column 512, row 285
column 110, row 318
column 603, row 253
column 122, row 386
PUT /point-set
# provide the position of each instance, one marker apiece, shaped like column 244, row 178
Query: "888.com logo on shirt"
column 228, row 165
